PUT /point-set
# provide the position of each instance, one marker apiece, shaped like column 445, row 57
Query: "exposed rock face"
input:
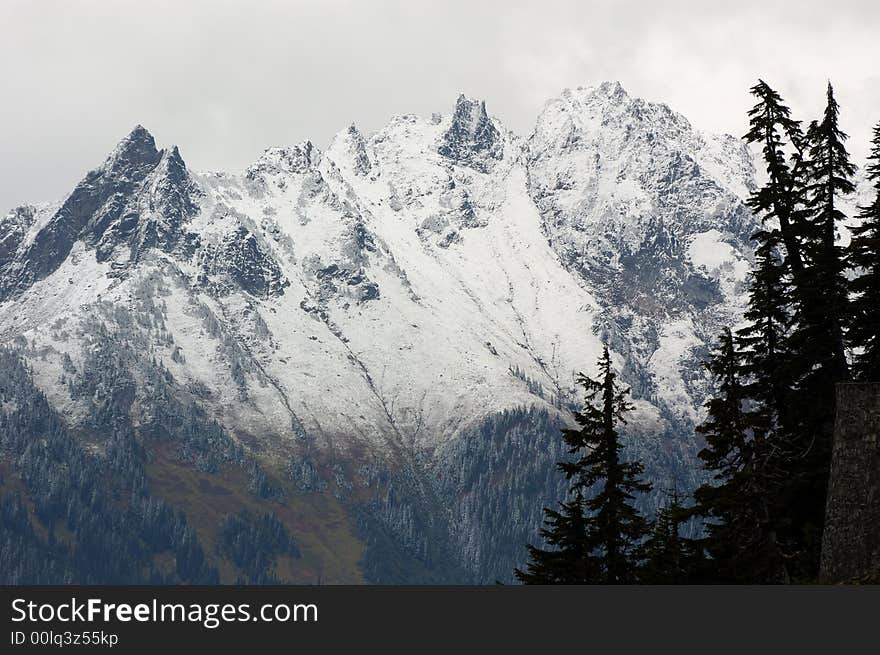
column 241, row 257
column 472, row 139
column 851, row 542
column 358, row 148
column 15, row 227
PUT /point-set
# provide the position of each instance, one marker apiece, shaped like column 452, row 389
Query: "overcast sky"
column 226, row 79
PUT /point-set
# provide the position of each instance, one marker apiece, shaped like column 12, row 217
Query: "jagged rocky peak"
column 348, row 151
column 13, row 228
column 358, row 149
column 277, row 164
column 134, row 153
column 602, row 110
column 612, row 98
column 170, row 199
column 613, row 90
column 645, row 138
column 138, row 140
column 173, row 187
column 160, row 197
column 19, row 218
column 173, row 165
column 631, row 194
column 472, row 138
column 108, row 208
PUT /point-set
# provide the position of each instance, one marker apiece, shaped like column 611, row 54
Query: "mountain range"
column 378, row 341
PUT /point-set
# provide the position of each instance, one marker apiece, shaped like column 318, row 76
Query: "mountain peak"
column 174, row 161
column 472, row 139
column 609, row 93
column 470, row 114
column 348, row 149
column 139, row 137
column 358, row 150
column 173, row 172
column 612, row 89
column 279, row 163
column 140, row 132
column 134, row 151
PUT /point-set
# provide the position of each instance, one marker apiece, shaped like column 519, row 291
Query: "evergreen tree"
column 817, row 342
column 763, row 342
column 747, row 462
column 600, row 525
column 823, row 300
column 569, row 561
column 863, row 256
column 670, row 558
column 773, row 129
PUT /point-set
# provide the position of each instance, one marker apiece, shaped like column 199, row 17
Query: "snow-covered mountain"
column 393, row 324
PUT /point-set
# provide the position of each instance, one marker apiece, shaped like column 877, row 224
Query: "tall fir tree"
column 817, row 342
column 863, row 257
column 747, row 464
column 823, row 300
column 781, row 139
column 603, row 487
column 779, row 259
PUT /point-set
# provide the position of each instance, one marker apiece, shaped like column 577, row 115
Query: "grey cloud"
column 224, row 80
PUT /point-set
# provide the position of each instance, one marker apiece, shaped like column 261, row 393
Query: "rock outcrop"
column 851, row 542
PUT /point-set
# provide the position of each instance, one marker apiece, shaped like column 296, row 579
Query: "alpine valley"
column 352, row 364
